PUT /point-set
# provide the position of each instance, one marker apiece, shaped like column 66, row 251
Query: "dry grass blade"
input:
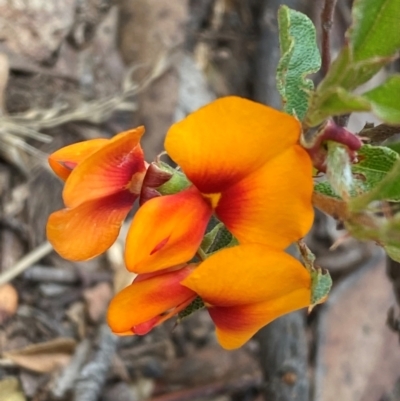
column 96, row 111
column 15, row 129
column 27, row 261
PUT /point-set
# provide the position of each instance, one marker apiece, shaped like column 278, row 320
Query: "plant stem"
column 326, row 25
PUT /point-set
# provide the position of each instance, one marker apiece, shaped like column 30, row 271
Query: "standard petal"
column 145, row 301
column 237, row 324
column 273, row 205
column 167, row 231
column 89, row 229
column 248, row 274
column 223, row 142
column 117, row 166
column 64, row 160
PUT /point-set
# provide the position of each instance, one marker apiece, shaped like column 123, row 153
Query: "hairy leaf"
column 326, row 189
column 194, row 306
column 387, row 189
column 375, row 162
column 299, row 58
column 321, row 283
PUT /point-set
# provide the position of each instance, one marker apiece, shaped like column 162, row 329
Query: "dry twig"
column 93, row 375
column 48, row 274
column 67, row 378
column 211, row 390
column 26, row 262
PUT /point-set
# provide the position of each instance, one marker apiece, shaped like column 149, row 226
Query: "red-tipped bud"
column 162, row 179
column 154, row 178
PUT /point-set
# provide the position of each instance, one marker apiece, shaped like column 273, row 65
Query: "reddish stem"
column 335, row 133
column 326, row 25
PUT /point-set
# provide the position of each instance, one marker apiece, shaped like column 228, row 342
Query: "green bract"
column 321, row 283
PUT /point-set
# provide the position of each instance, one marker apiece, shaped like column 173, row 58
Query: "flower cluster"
column 245, row 167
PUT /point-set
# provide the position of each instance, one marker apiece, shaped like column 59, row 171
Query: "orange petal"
column 237, row 324
column 64, row 160
column 273, row 205
column 228, row 139
column 117, row 166
column 143, row 302
column 167, row 231
column 248, row 274
column 89, row 229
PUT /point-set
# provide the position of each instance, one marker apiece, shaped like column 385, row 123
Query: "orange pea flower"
column 244, row 288
column 102, row 181
column 246, row 166
column 149, row 301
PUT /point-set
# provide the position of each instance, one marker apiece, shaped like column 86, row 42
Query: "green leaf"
column 373, row 41
column 217, row 238
column 374, row 32
column 299, row 58
column 395, row 146
column 210, row 237
column 349, row 74
column 321, row 283
column 387, row 189
column 376, row 227
column 374, row 164
column 178, row 182
column 385, row 99
column 194, row 306
column 341, row 101
column 332, row 97
column 334, row 102
column 325, row 188
column 393, row 252
column 223, row 239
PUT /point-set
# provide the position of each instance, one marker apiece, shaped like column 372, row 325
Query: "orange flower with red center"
column 244, row 288
column 103, row 179
column 246, row 166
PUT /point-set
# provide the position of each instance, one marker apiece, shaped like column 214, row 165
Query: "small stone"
column 97, row 299
column 8, row 302
column 289, row 378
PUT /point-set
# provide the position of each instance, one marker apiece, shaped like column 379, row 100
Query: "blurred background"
column 72, row 70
